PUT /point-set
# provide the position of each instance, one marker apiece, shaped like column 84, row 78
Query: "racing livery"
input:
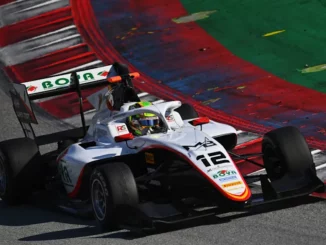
column 144, row 164
column 204, row 153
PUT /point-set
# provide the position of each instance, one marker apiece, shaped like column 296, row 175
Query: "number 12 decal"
column 215, row 157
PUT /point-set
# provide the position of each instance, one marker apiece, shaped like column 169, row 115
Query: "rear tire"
column 8, row 192
column 187, row 111
column 111, row 187
column 285, row 151
column 20, row 170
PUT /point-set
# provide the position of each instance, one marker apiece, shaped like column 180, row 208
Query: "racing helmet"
column 141, row 124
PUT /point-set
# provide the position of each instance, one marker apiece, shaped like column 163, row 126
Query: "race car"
column 180, row 168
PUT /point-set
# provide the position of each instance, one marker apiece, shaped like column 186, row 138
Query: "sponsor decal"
column 64, row 173
column 31, row 88
column 207, row 143
column 223, row 173
column 149, row 158
column 121, row 128
column 64, row 80
column 213, row 158
column 103, row 73
column 59, row 82
column 232, row 184
column 226, row 179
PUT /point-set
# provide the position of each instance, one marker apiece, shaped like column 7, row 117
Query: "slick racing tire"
column 8, row 191
column 285, row 151
column 20, row 170
column 187, row 111
column 112, row 187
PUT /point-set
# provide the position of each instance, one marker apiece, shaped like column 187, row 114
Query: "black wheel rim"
column 274, row 168
column 98, row 199
column 3, row 179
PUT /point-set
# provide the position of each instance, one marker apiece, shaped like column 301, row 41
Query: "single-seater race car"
column 179, row 167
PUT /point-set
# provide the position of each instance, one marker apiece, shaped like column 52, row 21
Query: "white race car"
column 181, row 170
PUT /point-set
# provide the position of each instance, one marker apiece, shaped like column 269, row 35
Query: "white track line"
column 17, row 11
column 37, row 6
column 43, row 46
column 91, row 64
column 15, row 2
column 315, row 152
column 321, row 166
column 38, row 46
column 64, row 29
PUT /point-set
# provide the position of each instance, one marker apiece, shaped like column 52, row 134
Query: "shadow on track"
column 64, row 234
column 228, row 218
column 129, row 235
column 28, row 214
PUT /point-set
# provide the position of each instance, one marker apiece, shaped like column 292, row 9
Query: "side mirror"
column 124, row 137
column 200, row 121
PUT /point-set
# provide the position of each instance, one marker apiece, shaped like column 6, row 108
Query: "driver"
column 145, row 123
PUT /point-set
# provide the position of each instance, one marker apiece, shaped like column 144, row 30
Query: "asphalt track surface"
column 35, row 223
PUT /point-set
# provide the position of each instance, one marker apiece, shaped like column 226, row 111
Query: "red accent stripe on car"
column 249, row 143
column 244, row 166
column 75, row 192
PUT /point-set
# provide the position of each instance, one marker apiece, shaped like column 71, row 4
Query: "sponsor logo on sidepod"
column 232, row 184
column 229, row 178
column 224, row 173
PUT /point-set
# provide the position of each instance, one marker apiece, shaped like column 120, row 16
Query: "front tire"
column 285, row 151
column 111, row 187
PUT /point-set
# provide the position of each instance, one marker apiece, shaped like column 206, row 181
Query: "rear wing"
column 76, row 81
column 66, row 83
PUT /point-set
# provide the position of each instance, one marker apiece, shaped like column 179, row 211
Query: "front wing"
column 286, row 192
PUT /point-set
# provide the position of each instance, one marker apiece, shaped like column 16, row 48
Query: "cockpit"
column 139, row 119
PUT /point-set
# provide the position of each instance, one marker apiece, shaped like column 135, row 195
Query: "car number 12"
column 215, row 157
